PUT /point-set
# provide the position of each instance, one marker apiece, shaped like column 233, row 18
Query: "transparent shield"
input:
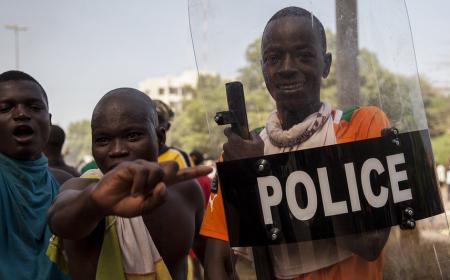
column 336, row 176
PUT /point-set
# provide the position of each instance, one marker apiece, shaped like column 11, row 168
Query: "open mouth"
column 23, row 133
column 293, row 86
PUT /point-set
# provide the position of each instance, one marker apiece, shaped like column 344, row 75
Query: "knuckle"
column 156, row 171
column 125, row 164
column 141, row 161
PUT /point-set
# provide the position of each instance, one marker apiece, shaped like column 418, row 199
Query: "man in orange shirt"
column 294, row 60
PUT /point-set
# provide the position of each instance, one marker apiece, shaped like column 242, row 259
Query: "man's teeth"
column 290, row 86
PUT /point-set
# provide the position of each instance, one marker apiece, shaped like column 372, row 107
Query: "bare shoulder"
column 191, row 191
column 60, row 175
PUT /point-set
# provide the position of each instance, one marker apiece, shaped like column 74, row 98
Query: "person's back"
column 27, row 186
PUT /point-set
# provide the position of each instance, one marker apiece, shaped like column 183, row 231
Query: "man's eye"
column 101, row 141
column 273, row 58
column 133, row 136
column 5, row 108
column 305, row 55
column 36, row 107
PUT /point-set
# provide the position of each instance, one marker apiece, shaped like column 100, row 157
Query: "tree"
column 194, row 127
column 78, row 142
column 251, row 75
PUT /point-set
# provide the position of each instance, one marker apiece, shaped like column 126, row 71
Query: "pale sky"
column 79, row 50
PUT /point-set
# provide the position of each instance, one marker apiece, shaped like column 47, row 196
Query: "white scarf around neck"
column 315, row 131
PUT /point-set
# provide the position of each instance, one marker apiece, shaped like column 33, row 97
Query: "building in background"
column 171, row 90
column 444, row 88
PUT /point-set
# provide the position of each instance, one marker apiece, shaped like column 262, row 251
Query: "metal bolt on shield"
column 396, row 142
column 274, row 233
column 260, row 167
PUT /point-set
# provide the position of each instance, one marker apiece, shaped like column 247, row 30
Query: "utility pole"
column 16, row 28
column 347, row 70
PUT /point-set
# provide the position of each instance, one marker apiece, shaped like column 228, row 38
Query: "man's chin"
column 107, row 168
column 293, row 103
column 24, row 153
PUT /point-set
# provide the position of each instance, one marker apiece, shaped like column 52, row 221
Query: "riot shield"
column 326, row 171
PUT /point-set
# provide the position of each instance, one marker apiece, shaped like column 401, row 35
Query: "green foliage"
column 437, row 110
column 251, row 75
column 398, row 96
column 258, row 101
column 441, row 148
column 78, row 141
column 194, row 126
column 378, row 87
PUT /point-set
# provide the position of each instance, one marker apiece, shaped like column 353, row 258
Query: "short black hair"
column 293, row 11
column 197, row 157
column 57, row 137
column 165, row 114
column 128, row 93
column 15, row 75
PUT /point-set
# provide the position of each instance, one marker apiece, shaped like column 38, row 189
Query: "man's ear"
column 161, row 134
column 48, row 132
column 327, row 65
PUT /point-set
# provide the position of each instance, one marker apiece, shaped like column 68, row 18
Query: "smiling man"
column 27, row 187
column 110, row 221
column 294, row 61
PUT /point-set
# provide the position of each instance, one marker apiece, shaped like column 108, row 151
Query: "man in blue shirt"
column 27, row 186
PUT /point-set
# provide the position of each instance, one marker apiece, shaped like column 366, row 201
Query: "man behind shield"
column 294, row 61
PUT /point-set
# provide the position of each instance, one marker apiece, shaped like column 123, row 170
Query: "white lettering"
column 266, row 200
column 273, row 197
column 352, row 186
column 397, row 194
column 291, row 183
column 373, row 164
column 331, row 208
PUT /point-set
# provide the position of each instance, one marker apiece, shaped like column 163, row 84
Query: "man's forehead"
column 119, row 126
column 289, row 24
column 21, row 88
column 121, row 114
column 22, row 84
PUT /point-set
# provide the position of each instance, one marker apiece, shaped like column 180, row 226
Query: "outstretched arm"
column 129, row 190
column 74, row 214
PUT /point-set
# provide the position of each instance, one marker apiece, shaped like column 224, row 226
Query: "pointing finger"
column 189, row 173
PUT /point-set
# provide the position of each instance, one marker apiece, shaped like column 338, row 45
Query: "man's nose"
column 288, row 66
column 20, row 112
column 118, row 149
